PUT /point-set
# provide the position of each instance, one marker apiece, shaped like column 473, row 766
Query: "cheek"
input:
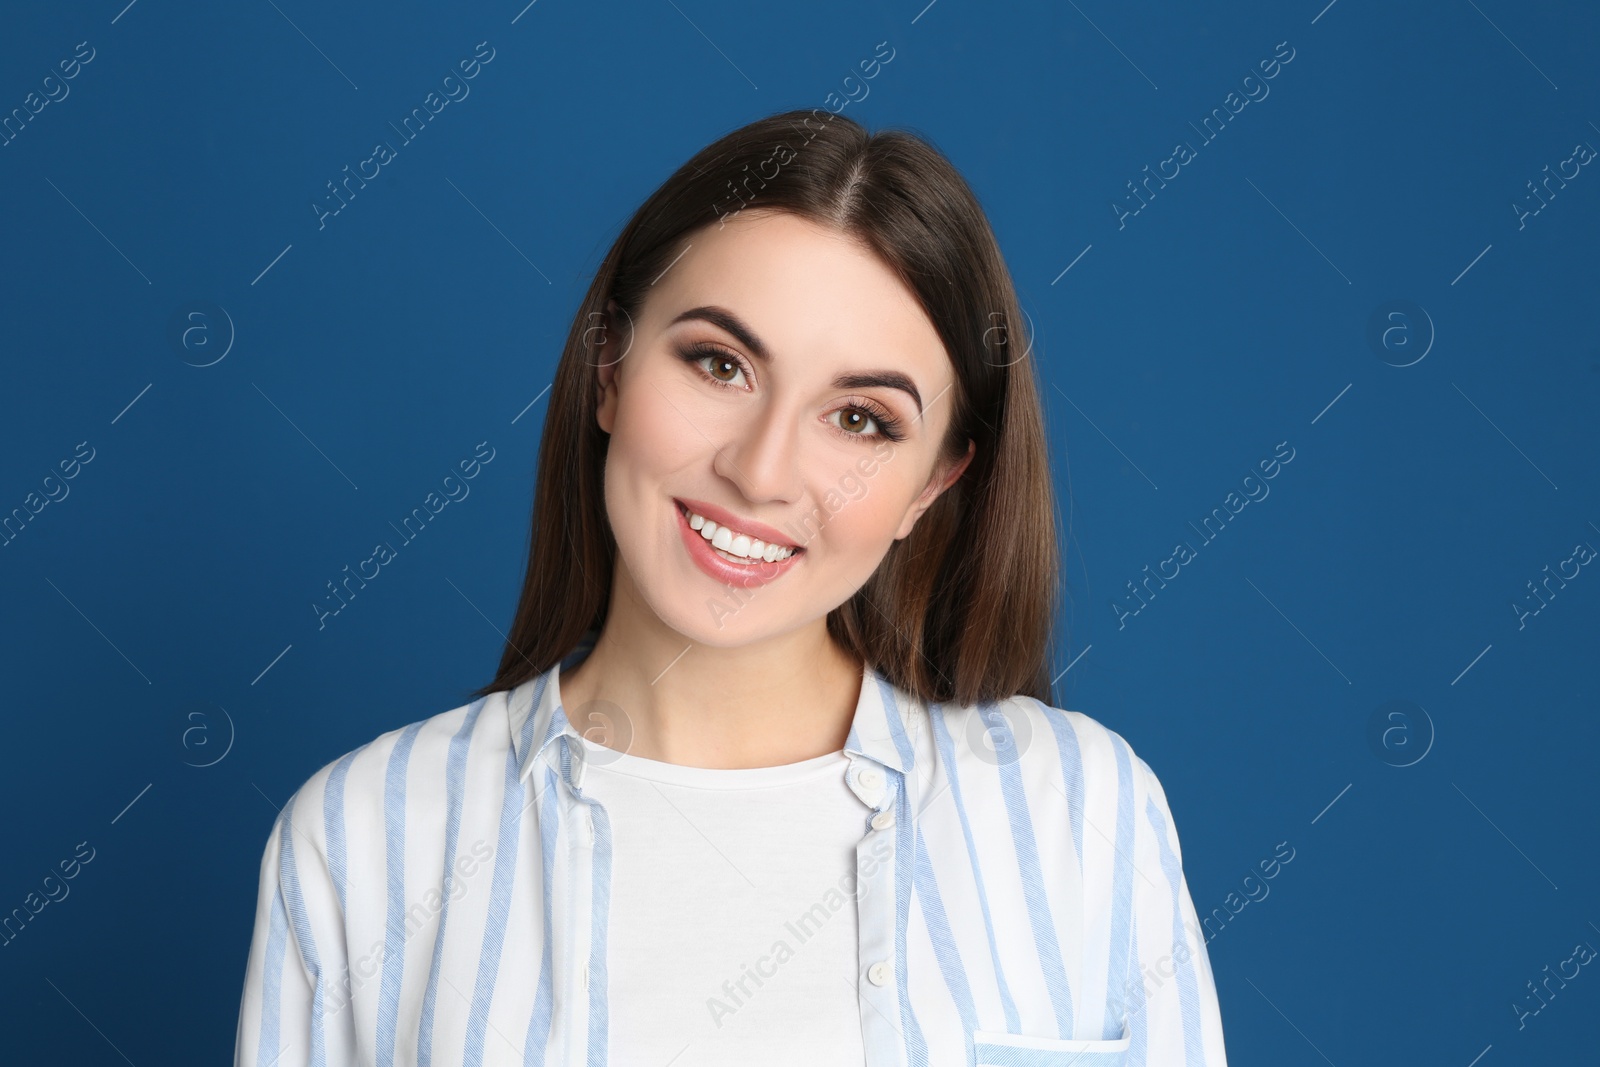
column 863, row 510
column 652, row 434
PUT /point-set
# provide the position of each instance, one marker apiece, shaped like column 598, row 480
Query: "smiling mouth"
column 737, row 548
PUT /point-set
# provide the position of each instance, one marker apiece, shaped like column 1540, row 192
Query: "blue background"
column 157, row 617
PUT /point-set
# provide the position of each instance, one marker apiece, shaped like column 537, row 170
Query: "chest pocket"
column 995, row 1049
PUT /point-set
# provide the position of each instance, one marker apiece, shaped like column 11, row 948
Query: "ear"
column 605, row 352
column 937, row 484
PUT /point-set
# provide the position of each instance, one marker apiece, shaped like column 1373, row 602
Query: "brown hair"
column 959, row 610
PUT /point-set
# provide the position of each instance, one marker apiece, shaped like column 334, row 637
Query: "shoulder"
column 1043, row 740
column 409, row 767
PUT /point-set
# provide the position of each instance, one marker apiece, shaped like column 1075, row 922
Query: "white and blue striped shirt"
column 439, row 896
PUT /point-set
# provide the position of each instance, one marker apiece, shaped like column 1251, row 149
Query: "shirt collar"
column 880, row 729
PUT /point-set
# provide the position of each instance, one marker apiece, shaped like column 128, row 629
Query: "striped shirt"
column 441, row 896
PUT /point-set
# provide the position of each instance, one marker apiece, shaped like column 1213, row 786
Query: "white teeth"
column 741, row 546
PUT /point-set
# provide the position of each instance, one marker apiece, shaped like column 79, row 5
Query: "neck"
column 649, row 691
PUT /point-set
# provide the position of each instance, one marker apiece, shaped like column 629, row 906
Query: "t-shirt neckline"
column 634, row 766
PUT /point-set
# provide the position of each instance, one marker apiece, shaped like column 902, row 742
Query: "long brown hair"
column 960, row 610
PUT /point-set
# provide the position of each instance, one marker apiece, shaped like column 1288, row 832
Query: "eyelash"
column 888, row 426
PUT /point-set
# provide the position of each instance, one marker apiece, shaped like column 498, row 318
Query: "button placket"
column 577, row 813
column 876, row 855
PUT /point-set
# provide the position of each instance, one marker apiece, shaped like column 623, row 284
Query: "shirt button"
column 879, row 972
column 869, row 778
column 883, row 818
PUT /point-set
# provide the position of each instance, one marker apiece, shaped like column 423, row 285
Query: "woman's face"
column 780, row 381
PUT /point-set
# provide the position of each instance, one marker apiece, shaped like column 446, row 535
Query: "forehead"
column 806, row 290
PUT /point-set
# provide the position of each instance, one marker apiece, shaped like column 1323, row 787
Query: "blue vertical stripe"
column 942, row 938
column 494, row 931
column 455, row 770
column 1188, row 994
column 904, row 863
column 897, row 726
column 1121, row 883
column 1023, row 838
column 394, row 935
column 1134, row 1004
column 333, row 825
column 599, row 918
column 267, row 1048
column 1071, row 771
column 946, row 747
column 534, row 1046
column 289, row 874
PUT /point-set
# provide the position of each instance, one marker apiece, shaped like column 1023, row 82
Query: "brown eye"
column 854, row 420
column 721, row 366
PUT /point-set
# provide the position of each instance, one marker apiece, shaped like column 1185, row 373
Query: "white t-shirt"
column 733, row 925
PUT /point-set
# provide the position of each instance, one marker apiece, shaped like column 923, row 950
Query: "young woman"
column 769, row 771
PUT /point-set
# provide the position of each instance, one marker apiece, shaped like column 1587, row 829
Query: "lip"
column 746, row 575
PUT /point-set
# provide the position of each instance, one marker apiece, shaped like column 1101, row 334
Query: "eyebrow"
column 733, row 324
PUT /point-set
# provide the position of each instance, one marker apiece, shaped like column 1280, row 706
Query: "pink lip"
column 746, row 575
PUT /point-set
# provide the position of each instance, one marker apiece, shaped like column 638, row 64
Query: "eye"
column 853, row 419
column 715, row 363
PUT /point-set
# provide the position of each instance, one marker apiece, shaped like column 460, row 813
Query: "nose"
column 762, row 456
